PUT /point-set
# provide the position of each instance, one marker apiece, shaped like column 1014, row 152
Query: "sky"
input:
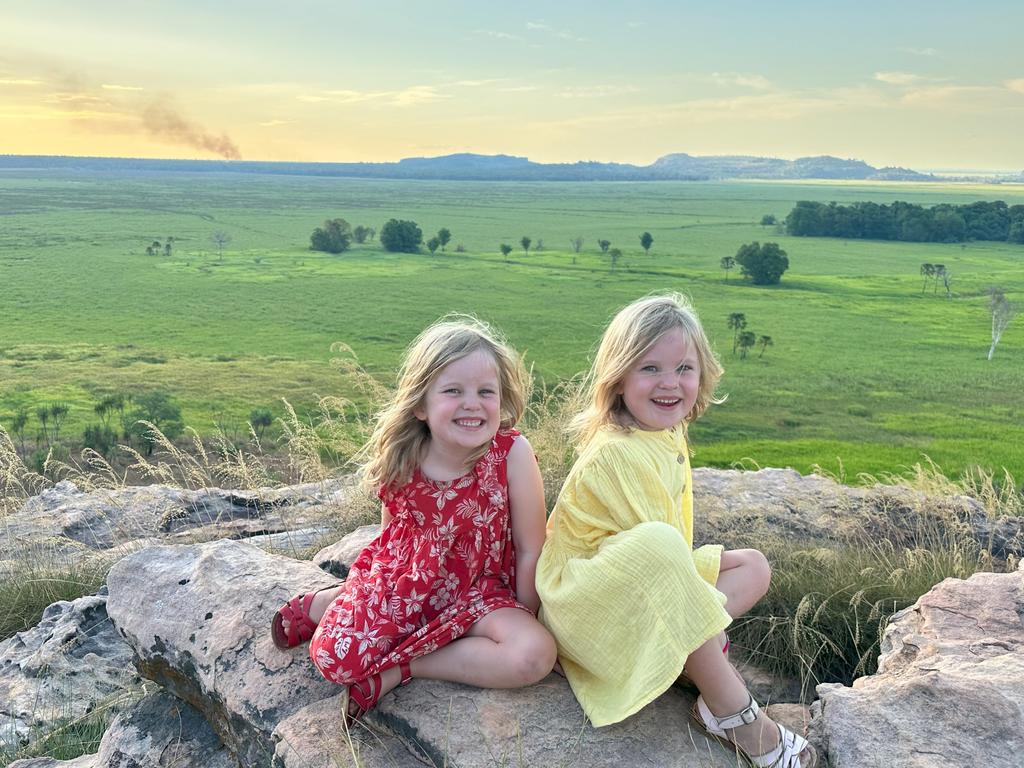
column 925, row 85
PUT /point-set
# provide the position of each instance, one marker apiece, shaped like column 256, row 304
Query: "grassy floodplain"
column 866, row 373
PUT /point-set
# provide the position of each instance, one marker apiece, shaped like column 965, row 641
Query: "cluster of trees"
column 936, row 272
column 156, row 247
column 763, row 264
column 744, row 340
column 909, row 222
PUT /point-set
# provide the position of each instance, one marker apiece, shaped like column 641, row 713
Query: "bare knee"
column 531, row 657
column 760, row 571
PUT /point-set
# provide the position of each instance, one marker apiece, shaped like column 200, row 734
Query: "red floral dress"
column 444, row 561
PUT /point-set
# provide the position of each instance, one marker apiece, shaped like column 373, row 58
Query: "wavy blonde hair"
column 399, row 440
column 633, row 331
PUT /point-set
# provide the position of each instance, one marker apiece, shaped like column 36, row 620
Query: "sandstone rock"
column 198, row 617
column 730, row 505
column 337, row 558
column 950, row 685
column 159, row 730
column 63, row 521
column 60, row 668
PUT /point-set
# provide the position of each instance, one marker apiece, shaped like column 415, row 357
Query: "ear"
column 420, row 412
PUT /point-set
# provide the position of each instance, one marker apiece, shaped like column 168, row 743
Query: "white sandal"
column 785, row 755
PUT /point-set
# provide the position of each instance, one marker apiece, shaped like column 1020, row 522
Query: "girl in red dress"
column 446, row 591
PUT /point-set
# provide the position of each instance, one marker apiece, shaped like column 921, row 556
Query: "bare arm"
column 385, row 517
column 526, row 508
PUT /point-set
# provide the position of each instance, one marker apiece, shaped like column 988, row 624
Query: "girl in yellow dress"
column 630, row 602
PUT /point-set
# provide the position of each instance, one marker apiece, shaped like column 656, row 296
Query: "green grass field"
column 866, row 374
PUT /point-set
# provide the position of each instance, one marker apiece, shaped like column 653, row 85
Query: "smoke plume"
column 161, row 120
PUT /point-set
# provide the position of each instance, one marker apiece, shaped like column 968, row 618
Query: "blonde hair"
column 633, row 331
column 399, row 440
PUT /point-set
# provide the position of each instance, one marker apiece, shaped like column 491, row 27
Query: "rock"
column 60, row 668
column 159, row 730
column 950, row 686
column 63, row 521
column 738, row 507
column 198, row 620
column 337, row 558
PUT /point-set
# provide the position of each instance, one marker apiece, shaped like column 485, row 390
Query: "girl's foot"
column 364, row 694
column 758, row 737
column 296, row 621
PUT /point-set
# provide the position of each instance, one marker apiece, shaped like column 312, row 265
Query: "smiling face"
column 462, row 406
column 660, row 389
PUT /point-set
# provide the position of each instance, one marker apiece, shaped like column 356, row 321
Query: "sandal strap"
column 745, row 716
column 406, row 672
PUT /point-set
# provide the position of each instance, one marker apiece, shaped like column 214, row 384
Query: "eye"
column 450, row 391
column 486, row 391
column 684, row 368
column 649, row 369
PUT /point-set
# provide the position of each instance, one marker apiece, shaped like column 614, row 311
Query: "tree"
column 947, row 280
column 525, row 242
column 538, row 246
column 58, row 413
column 576, row 243
column 768, row 220
column 334, row 236
column 747, row 340
column 157, row 409
column 360, row 233
column 220, row 238
column 506, row 249
column 1002, row 312
column 604, row 245
column 727, row 263
column 444, row 235
column 737, row 322
column 401, row 236
column 938, row 273
column 763, row 264
column 927, row 272
column 167, row 248
column 433, row 244
column 614, row 254
column 765, row 342
column 260, row 419
column 18, row 423
column 646, row 241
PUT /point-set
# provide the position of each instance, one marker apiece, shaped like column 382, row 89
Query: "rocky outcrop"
column 64, row 522
column 60, row 669
column 949, row 690
column 197, row 619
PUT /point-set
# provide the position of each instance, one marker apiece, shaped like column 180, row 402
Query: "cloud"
column 757, row 82
column 898, row 78
column 19, row 81
column 519, row 89
column 498, row 35
column 1015, row 85
column 949, row 97
column 563, row 34
column 920, row 51
column 109, row 87
column 272, row 123
column 596, row 91
column 407, row 97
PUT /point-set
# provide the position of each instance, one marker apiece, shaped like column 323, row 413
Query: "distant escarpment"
column 473, row 167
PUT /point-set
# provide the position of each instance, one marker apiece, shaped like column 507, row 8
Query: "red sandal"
column 364, row 694
column 300, row 626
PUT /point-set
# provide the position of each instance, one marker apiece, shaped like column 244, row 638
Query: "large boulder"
column 60, row 669
column 197, row 618
column 949, row 690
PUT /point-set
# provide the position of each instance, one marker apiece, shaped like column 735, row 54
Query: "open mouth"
column 666, row 402
column 470, row 423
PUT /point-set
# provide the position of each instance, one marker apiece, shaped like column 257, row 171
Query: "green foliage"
column 433, row 244
column 604, row 245
column 260, row 419
column 39, row 582
column 646, row 241
column 334, row 236
column 154, row 409
column 360, row 233
column 506, row 249
column 615, row 254
column 401, row 236
column 525, row 243
column 768, row 220
column 100, row 438
column 763, row 264
column 444, row 236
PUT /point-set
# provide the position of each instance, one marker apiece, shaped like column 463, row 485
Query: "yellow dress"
column 621, row 588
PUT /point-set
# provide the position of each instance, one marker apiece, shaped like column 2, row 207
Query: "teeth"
column 469, row 422
column 666, row 402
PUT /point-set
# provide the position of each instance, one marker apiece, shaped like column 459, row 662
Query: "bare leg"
column 743, row 578
column 725, row 694
column 507, row 648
